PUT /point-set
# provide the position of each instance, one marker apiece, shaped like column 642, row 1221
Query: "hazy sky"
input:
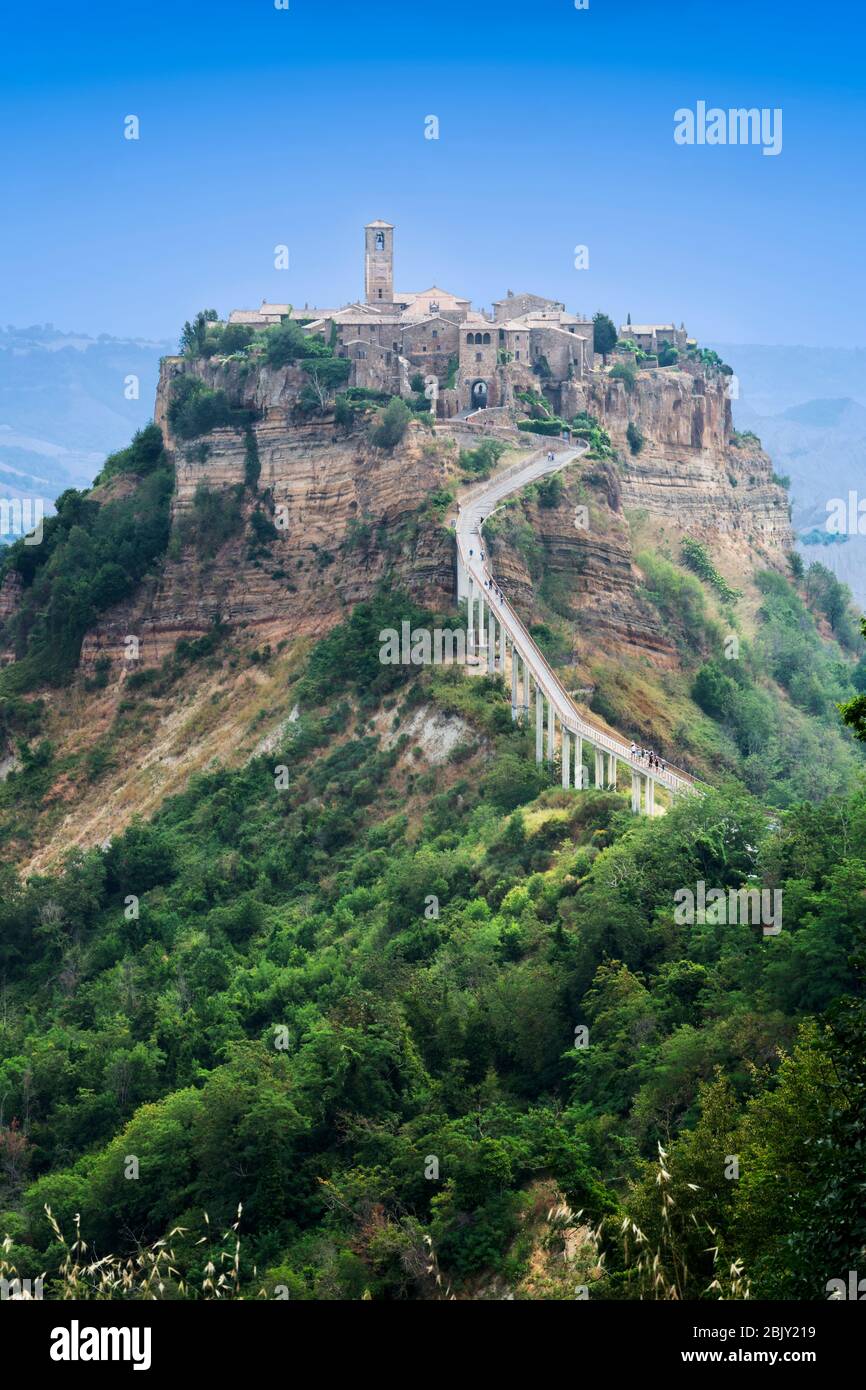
column 262, row 126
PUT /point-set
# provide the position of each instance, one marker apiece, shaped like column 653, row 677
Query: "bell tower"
column 379, row 262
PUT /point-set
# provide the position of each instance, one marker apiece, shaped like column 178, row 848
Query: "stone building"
column 651, row 336
column 392, row 336
column 379, row 263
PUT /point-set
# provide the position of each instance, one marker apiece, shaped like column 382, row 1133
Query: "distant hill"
column 808, row 406
column 63, row 407
column 825, row 414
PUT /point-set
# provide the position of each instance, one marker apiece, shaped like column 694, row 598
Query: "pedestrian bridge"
column 495, row 633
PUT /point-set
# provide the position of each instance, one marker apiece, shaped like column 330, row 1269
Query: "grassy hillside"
column 340, row 986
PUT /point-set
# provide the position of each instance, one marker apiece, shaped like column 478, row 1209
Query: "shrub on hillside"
column 215, row 516
column 634, row 437
column 194, row 409
column 626, row 373
column 288, row 343
column 391, row 425
column 480, row 462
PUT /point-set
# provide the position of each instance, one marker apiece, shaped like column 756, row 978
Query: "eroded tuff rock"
column 690, row 478
column 347, row 516
column 350, row 516
column 583, row 568
column 689, row 468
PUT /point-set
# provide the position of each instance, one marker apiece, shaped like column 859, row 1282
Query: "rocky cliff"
column 336, row 516
column 690, row 471
column 691, row 475
column 328, row 517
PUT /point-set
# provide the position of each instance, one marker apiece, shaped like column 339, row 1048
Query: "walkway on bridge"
column 494, row 629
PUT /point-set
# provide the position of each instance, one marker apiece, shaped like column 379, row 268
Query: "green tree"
column 604, row 334
column 634, row 437
column 391, row 424
column 194, row 335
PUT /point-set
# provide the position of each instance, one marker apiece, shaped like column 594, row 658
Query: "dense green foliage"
column 391, row 424
column 289, row 343
column 604, row 334
column 195, row 409
column 626, row 373
column 697, row 558
column 634, row 437
column 94, row 552
column 345, row 963
column 481, row 461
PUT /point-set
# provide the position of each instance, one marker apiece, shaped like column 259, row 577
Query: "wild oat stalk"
column 150, row 1273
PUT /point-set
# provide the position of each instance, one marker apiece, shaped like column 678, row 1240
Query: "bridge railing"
column 551, row 685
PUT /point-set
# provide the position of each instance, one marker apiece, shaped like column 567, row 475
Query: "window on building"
column 517, row 355
column 486, row 338
column 502, row 335
column 435, row 333
column 469, row 338
column 479, row 357
column 362, row 352
column 434, row 307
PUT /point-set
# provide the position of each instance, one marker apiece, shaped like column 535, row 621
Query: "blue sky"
column 261, row 126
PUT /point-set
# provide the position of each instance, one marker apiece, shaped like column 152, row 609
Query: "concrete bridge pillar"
column 650, row 796
column 539, row 725
column 551, row 731
column 578, row 762
column 491, row 642
column 599, row 768
column 566, row 758
column 527, row 688
column 515, row 663
column 470, row 619
column 635, row 792
column 612, row 770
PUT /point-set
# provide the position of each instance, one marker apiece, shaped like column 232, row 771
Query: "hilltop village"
column 479, row 361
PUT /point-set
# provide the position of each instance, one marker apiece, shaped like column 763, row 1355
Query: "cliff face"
column 690, row 471
column 689, row 477
column 583, row 568
column 345, row 514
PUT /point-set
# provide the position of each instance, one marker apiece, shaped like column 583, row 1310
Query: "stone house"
column 650, row 336
column 513, row 306
column 389, row 336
